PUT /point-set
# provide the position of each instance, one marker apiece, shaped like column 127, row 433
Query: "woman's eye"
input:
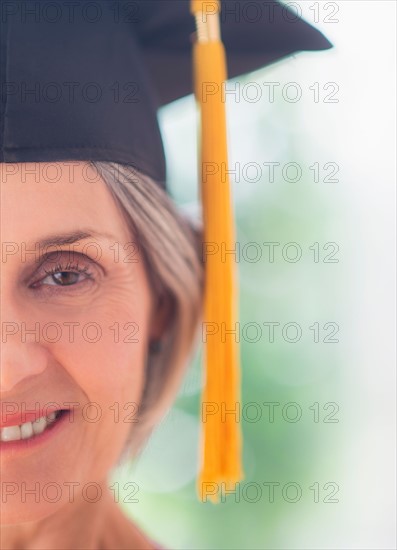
column 63, row 278
column 63, row 275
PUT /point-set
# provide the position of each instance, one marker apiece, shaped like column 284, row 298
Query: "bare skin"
column 88, row 286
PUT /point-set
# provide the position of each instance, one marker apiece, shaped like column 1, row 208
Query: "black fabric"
column 82, row 80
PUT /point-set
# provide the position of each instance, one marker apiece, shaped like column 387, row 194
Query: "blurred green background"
column 339, row 453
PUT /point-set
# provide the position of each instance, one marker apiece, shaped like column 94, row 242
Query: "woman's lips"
column 43, row 429
column 26, row 414
column 27, row 429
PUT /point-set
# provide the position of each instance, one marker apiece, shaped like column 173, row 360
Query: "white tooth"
column 10, row 433
column 39, row 425
column 26, row 430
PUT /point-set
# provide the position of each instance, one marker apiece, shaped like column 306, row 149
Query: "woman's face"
column 76, row 320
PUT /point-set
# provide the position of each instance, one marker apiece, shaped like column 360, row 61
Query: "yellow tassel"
column 220, row 406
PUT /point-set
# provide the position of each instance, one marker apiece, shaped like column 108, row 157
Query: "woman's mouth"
column 28, row 429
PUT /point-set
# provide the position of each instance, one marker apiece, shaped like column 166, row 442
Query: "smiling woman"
column 102, row 276
column 82, row 274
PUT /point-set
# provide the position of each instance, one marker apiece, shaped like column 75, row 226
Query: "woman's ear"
column 162, row 313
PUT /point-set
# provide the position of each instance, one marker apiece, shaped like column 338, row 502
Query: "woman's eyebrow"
column 60, row 239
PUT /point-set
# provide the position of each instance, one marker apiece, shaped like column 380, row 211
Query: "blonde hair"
column 171, row 248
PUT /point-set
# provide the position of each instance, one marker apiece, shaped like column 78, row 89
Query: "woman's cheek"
column 106, row 357
column 104, row 334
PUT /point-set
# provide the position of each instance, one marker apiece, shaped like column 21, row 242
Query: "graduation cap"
column 84, row 80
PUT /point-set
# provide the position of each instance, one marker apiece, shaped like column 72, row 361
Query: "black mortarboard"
column 83, row 80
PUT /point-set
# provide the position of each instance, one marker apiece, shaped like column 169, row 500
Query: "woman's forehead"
column 42, row 199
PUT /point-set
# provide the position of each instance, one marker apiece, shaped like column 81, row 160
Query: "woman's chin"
column 35, row 495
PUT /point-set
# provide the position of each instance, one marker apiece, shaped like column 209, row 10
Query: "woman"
column 102, row 277
column 119, row 300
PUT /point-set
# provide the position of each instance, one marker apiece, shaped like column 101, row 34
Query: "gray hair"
column 171, row 248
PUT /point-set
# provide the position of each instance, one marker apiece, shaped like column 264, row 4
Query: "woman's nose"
column 20, row 361
column 23, row 353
